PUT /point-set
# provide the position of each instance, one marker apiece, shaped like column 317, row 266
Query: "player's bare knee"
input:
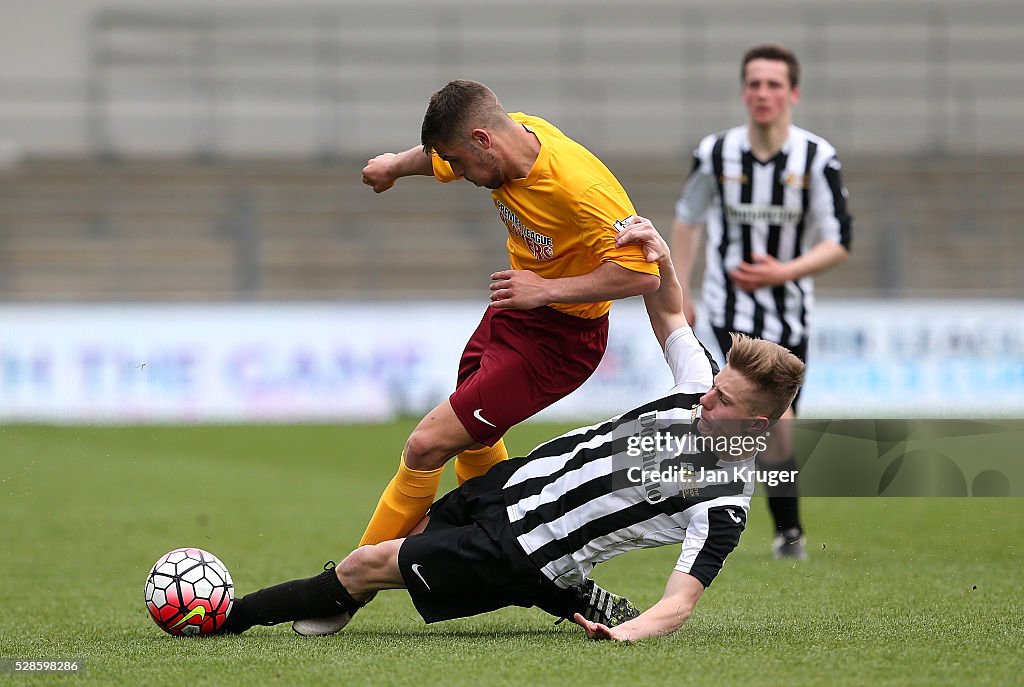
column 423, row 451
column 355, row 565
column 369, row 565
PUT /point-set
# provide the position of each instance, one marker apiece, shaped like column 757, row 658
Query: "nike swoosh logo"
column 416, row 569
column 478, row 414
column 733, row 515
column 198, row 610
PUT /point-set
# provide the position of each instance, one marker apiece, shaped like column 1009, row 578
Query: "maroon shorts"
column 519, row 362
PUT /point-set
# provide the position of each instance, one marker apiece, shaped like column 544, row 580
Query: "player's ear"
column 794, row 95
column 758, row 425
column 482, row 137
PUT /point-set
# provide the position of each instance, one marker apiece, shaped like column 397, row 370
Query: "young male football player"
column 547, row 325
column 773, row 202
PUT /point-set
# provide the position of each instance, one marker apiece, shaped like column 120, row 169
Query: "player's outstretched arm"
column 665, row 306
column 383, row 171
column 524, row 289
column 665, row 617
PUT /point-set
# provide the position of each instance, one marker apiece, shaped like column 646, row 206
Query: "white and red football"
column 189, row 592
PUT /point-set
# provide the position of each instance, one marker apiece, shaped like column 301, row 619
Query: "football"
column 189, row 592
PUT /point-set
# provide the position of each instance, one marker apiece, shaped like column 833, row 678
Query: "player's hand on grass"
column 378, row 173
column 597, row 630
column 764, row 271
column 641, row 230
column 521, row 289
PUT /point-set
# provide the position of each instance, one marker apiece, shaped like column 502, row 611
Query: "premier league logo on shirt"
column 542, row 247
column 620, row 225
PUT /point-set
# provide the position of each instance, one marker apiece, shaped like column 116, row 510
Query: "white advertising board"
column 374, row 361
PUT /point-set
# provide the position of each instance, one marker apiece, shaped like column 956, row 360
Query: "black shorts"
column 467, row 561
column 800, row 351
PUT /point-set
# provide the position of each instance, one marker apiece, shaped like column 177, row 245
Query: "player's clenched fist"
column 378, row 172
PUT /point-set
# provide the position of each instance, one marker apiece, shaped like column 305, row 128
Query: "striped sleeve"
column 828, row 214
column 699, row 191
column 710, row 537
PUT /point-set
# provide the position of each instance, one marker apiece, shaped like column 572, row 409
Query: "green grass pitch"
column 897, row 591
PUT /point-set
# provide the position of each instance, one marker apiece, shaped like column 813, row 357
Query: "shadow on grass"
column 439, row 633
column 371, row 634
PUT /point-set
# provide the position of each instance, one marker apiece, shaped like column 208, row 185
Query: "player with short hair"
column 530, row 531
column 547, row 325
column 773, row 202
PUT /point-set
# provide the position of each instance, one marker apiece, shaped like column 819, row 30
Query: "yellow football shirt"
column 562, row 216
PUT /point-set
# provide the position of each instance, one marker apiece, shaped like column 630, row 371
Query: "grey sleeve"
column 700, row 188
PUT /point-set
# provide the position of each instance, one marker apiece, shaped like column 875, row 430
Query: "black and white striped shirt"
column 781, row 207
column 581, row 498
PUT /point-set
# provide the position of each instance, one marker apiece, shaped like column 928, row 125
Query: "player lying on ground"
column 529, row 532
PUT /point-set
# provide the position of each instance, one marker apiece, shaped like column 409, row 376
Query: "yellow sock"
column 470, row 464
column 403, row 504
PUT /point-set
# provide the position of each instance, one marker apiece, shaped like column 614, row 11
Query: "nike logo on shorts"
column 416, row 569
column 478, row 414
